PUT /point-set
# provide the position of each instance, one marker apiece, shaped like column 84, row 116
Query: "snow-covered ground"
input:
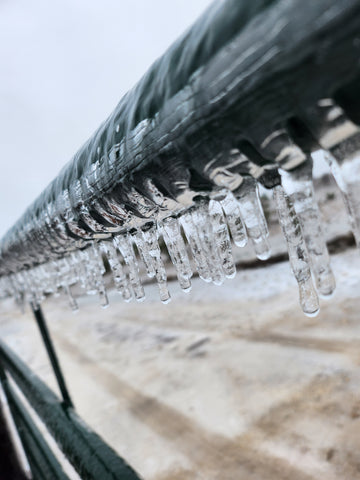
column 226, row 382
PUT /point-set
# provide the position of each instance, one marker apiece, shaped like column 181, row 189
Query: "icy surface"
column 198, row 232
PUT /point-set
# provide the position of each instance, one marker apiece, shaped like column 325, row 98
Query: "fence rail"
column 90, row 456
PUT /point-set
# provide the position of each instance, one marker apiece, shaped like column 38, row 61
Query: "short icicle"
column 253, row 216
column 174, row 242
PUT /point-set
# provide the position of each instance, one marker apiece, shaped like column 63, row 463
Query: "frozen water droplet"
column 174, row 242
column 298, row 256
column 253, row 217
column 232, row 213
column 298, row 185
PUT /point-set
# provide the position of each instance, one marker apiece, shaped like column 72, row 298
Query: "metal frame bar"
column 45, row 334
column 91, row 457
column 42, row 461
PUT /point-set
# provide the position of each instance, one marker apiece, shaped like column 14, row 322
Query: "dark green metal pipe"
column 40, row 457
column 91, row 457
column 40, row 320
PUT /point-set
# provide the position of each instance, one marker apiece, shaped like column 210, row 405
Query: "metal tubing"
column 91, row 457
column 42, row 461
column 45, row 334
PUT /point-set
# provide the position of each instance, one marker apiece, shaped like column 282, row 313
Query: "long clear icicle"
column 347, row 178
column 119, row 276
column 253, row 216
column 203, row 225
column 124, row 244
column 298, row 185
column 298, row 256
column 195, row 245
column 94, row 269
column 222, row 238
column 65, row 278
column 174, row 242
column 148, row 245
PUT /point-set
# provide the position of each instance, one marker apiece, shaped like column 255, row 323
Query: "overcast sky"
column 64, row 65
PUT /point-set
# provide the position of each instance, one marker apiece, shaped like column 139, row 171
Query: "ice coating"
column 200, row 99
column 298, row 185
column 199, row 238
column 253, row 217
column 298, row 256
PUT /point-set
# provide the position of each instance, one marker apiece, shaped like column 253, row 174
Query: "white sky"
column 64, row 65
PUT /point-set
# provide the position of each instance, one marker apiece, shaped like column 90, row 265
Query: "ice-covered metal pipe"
column 225, row 105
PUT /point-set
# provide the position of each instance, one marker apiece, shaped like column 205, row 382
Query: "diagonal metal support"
column 42, row 461
column 91, row 457
column 40, row 320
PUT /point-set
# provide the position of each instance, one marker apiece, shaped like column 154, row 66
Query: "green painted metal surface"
column 91, row 457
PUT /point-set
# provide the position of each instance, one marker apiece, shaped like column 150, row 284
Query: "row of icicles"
column 207, row 231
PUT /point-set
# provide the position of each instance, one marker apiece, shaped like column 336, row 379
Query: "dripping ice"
column 199, row 240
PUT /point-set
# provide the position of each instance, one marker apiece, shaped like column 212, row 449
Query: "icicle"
column 232, row 213
column 174, row 242
column 94, row 270
column 253, row 216
column 298, row 256
column 298, row 185
column 222, row 238
column 15, row 289
column 124, row 244
column 120, row 280
column 347, row 177
column 150, row 251
column 202, row 221
column 66, row 277
column 144, row 251
column 194, row 242
column 73, row 303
